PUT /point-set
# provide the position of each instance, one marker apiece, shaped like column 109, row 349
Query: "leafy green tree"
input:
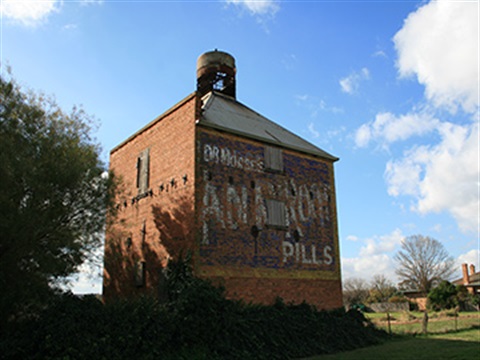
column 423, row 262
column 54, row 195
column 444, row 296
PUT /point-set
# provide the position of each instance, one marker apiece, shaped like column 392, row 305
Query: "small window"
column 140, row 274
column 143, row 165
column 276, row 216
column 273, row 159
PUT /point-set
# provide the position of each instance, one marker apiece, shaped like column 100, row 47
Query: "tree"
column 444, row 296
column 422, row 262
column 54, row 196
column 355, row 291
column 381, row 289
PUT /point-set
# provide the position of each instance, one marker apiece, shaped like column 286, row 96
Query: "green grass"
column 411, row 323
column 442, row 342
column 418, row 348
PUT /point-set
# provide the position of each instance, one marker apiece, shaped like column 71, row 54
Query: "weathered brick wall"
column 256, row 262
column 157, row 224
column 324, row 294
column 207, row 193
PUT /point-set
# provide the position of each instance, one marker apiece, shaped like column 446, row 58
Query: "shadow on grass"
column 460, row 345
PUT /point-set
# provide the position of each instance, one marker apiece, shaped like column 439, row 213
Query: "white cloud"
column 34, row 12
column 380, row 53
column 313, row 131
column 441, row 177
column 388, row 128
column 88, row 278
column 29, row 12
column 439, row 45
column 471, row 257
column 84, row 283
column 315, row 105
column 257, row 7
column 375, row 257
column 381, row 244
column 351, row 83
column 366, row 267
column 89, row 2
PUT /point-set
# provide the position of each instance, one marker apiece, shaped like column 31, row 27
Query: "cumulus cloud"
column 34, row 12
column 439, row 45
column 366, row 267
column 471, row 257
column 375, row 256
column 388, row 128
column 351, row 83
column 443, row 176
column 257, row 7
column 28, row 12
column 380, row 244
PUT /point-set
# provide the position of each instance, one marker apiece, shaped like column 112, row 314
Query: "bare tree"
column 355, row 291
column 381, row 290
column 422, row 262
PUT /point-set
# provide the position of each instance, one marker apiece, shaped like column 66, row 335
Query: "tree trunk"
column 425, row 322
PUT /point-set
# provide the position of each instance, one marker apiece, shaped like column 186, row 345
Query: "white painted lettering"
column 327, row 255
column 287, row 249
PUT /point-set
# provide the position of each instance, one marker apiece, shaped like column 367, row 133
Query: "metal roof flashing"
column 227, row 114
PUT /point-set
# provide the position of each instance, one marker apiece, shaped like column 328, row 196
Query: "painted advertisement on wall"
column 255, row 220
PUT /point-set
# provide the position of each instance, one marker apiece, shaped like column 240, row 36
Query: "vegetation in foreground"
column 54, row 196
column 197, row 322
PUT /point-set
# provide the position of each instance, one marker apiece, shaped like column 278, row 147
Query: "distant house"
column 417, row 297
column 470, row 280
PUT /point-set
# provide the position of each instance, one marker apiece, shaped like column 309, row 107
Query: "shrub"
column 198, row 322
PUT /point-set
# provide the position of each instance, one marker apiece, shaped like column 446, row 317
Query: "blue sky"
column 390, row 87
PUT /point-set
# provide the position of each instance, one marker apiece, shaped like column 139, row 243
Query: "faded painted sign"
column 234, row 190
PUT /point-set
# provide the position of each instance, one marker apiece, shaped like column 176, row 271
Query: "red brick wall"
column 324, row 294
column 232, row 189
column 165, row 212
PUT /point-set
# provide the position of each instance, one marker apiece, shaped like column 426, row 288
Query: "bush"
column 196, row 323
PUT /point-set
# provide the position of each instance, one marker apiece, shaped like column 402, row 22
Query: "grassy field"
column 411, row 322
column 442, row 342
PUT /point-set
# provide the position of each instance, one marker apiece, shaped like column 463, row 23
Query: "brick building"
column 254, row 203
column 471, row 280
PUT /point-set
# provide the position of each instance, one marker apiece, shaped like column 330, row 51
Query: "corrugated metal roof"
column 227, row 114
